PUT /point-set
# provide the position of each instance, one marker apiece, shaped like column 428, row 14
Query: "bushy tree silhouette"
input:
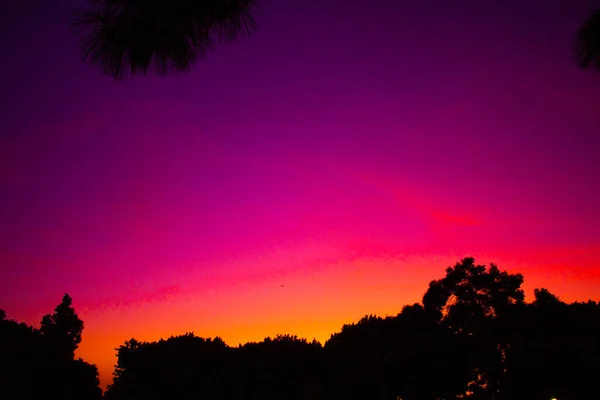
column 181, row 367
column 473, row 302
column 556, row 351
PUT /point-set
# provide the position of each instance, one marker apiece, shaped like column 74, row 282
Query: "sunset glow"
column 302, row 178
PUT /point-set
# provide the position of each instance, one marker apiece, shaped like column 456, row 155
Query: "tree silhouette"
column 396, row 357
column 39, row 363
column 474, row 302
column 20, row 357
column 587, row 42
column 187, row 366
column 181, row 367
column 473, row 337
column 285, row 367
column 470, row 294
column 135, row 37
column 556, row 352
column 63, row 328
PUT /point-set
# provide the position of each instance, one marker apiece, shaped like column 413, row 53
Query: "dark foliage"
column 136, row 37
column 62, row 329
column 473, row 337
column 587, row 42
column 36, row 364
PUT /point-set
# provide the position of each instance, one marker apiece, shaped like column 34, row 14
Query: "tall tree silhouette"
column 587, row 42
column 63, row 328
column 136, row 37
column 475, row 302
column 39, row 363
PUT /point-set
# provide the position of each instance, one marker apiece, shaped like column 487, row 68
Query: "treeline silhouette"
column 473, row 336
column 41, row 364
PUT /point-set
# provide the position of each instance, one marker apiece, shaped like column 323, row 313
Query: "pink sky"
column 351, row 166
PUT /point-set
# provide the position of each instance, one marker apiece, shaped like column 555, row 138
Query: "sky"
column 328, row 167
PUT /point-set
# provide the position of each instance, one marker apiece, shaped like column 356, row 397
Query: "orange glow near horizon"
column 300, row 179
column 309, row 305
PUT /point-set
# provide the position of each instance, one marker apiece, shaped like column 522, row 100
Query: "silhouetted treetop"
column 470, row 292
column 543, row 297
column 39, row 363
column 136, row 37
column 587, row 42
column 63, row 328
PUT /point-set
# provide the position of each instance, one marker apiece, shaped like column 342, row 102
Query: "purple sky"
column 342, row 131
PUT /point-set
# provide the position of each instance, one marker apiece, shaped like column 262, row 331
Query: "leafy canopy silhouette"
column 473, row 337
